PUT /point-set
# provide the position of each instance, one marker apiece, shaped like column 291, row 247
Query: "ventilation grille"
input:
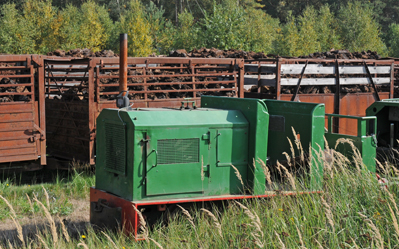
column 115, row 152
column 172, row 151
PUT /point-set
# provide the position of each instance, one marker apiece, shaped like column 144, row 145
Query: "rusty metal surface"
column 76, row 90
column 22, row 128
column 154, row 80
column 354, row 104
column 273, row 85
column 123, row 64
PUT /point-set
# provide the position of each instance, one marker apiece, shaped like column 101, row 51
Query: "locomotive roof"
column 168, row 117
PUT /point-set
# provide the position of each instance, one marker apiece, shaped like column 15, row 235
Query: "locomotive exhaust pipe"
column 122, row 100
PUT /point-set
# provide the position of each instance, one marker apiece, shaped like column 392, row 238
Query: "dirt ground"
column 76, row 223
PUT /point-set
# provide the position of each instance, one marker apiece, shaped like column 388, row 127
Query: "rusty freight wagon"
column 77, row 90
column 346, row 87
column 22, row 113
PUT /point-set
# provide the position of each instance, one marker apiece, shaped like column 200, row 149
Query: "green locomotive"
column 155, row 158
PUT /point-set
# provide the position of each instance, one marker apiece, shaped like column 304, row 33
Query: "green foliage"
column 167, row 38
column 95, row 26
column 74, row 186
column 186, row 34
column 358, row 29
column 393, row 39
column 134, row 23
column 385, row 12
column 14, row 32
column 89, row 26
column 39, row 16
column 40, row 28
column 288, row 27
column 313, row 31
column 288, row 42
column 223, row 28
column 260, row 31
column 31, row 30
column 308, row 36
column 325, row 27
column 68, row 35
column 283, row 9
column 157, row 22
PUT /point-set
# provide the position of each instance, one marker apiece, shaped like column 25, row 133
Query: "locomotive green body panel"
column 283, row 118
column 297, row 127
column 387, row 113
column 219, row 149
column 364, row 142
column 387, row 128
column 171, row 153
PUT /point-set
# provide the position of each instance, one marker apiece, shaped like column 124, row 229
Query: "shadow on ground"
column 30, row 231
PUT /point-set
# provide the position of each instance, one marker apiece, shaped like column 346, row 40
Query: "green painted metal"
column 173, row 153
column 365, row 140
column 152, row 154
column 307, row 120
column 387, row 113
column 255, row 111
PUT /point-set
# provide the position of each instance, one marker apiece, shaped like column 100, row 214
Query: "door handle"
column 156, row 158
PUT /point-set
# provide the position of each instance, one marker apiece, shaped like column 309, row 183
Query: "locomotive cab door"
column 177, row 161
column 231, row 157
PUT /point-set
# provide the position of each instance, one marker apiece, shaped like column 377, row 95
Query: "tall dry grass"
column 354, row 211
column 266, row 171
column 13, row 217
column 238, row 174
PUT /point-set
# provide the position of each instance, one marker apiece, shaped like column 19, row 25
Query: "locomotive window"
column 173, row 151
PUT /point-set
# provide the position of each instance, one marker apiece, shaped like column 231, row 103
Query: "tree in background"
column 288, row 38
column 291, row 28
column 358, row 29
column 157, row 22
column 308, row 37
column 310, row 32
column 96, row 27
column 393, row 40
column 261, row 30
column 224, row 27
column 299, row 35
column 14, row 32
column 283, row 9
column 69, row 32
column 385, row 12
column 133, row 23
column 173, row 8
column 186, row 34
column 326, row 28
column 40, row 15
column 167, row 38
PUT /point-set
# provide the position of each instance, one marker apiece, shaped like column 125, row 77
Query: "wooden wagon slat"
column 177, row 91
column 317, row 69
column 316, row 81
column 170, row 83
